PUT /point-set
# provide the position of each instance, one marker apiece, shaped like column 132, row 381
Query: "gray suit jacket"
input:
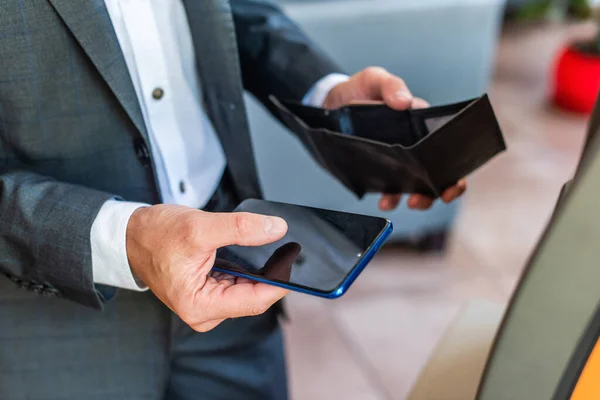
column 72, row 133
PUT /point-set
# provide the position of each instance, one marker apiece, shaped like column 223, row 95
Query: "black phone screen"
column 318, row 252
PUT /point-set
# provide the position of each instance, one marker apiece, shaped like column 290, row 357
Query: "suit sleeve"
column 45, row 236
column 276, row 57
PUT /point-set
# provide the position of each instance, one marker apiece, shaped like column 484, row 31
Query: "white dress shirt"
column 155, row 39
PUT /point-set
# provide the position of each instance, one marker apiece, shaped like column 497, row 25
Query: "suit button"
column 158, row 93
column 142, row 152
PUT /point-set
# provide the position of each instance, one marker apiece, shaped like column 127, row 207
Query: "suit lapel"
column 213, row 34
column 90, row 23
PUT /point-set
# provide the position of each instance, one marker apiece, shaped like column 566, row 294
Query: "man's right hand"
column 172, row 250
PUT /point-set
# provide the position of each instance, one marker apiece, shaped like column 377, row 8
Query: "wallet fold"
column 373, row 148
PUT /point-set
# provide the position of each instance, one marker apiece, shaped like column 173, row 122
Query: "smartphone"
column 322, row 253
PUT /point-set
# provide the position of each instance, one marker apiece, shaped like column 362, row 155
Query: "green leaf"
column 534, row 11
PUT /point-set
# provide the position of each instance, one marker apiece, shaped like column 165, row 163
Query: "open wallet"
column 374, row 149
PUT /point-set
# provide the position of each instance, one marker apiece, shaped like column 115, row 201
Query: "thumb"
column 380, row 84
column 241, row 228
column 395, row 93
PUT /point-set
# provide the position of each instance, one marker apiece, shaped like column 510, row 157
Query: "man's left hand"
column 376, row 85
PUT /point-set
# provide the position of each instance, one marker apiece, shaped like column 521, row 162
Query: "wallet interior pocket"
column 378, row 122
column 372, row 148
column 371, row 122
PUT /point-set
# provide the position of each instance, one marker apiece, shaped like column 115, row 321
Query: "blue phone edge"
column 344, row 286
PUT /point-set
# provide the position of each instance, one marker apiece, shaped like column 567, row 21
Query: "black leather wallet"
column 372, row 148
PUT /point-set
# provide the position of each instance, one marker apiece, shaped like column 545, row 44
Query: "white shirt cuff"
column 318, row 93
column 109, row 252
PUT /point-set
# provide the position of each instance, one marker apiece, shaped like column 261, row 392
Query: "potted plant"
column 576, row 76
column 575, row 79
column 527, row 10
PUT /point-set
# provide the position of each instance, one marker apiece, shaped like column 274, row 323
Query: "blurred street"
column 374, row 340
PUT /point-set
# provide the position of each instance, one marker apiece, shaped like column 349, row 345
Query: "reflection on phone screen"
column 319, row 250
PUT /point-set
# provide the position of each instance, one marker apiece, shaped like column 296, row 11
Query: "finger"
column 245, row 229
column 455, row 191
column 419, row 103
column 208, row 325
column 450, row 194
column 216, row 286
column 225, row 264
column 245, row 299
column 396, row 94
column 382, row 85
column 279, row 265
column 420, row 202
column 366, row 102
column 221, row 276
column 389, row 202
column 244, row 280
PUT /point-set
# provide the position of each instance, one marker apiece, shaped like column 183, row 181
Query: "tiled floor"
column 371, row 344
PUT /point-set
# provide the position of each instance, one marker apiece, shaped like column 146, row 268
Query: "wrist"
column 132, row 243
column 316, row 96
column 334, row 98
column 110, row 266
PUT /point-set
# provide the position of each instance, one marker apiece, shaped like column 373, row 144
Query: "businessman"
column 123, row 144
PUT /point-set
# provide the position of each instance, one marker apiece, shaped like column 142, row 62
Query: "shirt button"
column 158, row 93
column 182, row 186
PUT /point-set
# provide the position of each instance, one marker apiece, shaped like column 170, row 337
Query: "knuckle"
column 394, row 82
column 241, row 224
column 199, row 324
column 187, row 317
column 189, row 229
column 201, row 328
column 188, row 313
column 258, row 310
column 372, row 72
column 400, row 81
column 191, row 322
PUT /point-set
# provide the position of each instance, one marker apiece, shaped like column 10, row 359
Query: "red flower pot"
column 576, row 80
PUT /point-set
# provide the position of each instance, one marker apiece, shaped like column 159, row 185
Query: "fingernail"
column 403, row 95
column 275, row 226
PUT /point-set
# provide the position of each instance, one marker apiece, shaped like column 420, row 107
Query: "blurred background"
column 540, row 63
